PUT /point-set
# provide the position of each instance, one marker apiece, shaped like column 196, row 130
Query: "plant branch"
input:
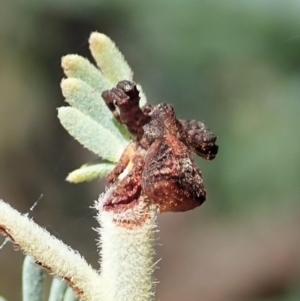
column 127, row 250
column 50, row 253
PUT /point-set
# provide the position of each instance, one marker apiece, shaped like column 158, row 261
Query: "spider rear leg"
column 123, row 163
column 200, row 139
column 129, row 188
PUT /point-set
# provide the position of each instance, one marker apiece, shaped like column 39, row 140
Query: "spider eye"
column 162, row 106
column 166, row 110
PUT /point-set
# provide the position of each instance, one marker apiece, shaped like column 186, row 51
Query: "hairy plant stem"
column 50, row 253
column 127, row 251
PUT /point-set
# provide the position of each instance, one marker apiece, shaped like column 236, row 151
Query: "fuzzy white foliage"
column 70, row 296
column 75, row 66
column 51, row 252
column 91, row 134
column 109, row 59
column 143, row 99
column 127, row 252
column 91, row 122
column 32, row 280
column 90, row 172
column 57, row 290
column 88, row 101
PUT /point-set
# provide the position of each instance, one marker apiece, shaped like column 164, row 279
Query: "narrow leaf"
column 33, row 280
column 60, row 259
column 70, row 296
column 89, row 101
column 57, row 290
column 143, row 99
column 90, row 172
column 109, row 59
column 79, row 67
column 90, row 134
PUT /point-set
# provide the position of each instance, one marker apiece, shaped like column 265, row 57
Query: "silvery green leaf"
column 90, row 172
column 57, row 290
column 33, row 280
column 143, row 99
column 91, row 134
column 2, row 299
column 109, row 59
column 89, row 101
column 70, row 296
column 76, row 66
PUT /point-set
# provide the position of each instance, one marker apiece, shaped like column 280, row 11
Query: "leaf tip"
column 61, row 111
column 99, row 40
column 71, row 178
column 69, row 61
column 69, row 86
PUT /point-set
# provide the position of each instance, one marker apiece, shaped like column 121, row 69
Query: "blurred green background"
column 233, row 64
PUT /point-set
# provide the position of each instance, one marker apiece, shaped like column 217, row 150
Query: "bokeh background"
column 235, row 65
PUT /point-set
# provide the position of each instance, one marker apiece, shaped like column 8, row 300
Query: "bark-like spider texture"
column 158, row 163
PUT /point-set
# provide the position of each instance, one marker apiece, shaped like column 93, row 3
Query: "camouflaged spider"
column 158, row 163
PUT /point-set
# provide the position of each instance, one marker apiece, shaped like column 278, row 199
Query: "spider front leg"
column 126, row 98
column 200, row 139
column 110, row 103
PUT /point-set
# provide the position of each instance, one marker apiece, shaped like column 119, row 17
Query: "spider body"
column 158, row 163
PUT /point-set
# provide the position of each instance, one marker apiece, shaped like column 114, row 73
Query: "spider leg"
column 129, row 188
column 126, row 98
column 108, row 97
column 123, row 162
column 200, row 139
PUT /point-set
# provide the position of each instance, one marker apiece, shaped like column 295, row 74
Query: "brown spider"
column 158, row 163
